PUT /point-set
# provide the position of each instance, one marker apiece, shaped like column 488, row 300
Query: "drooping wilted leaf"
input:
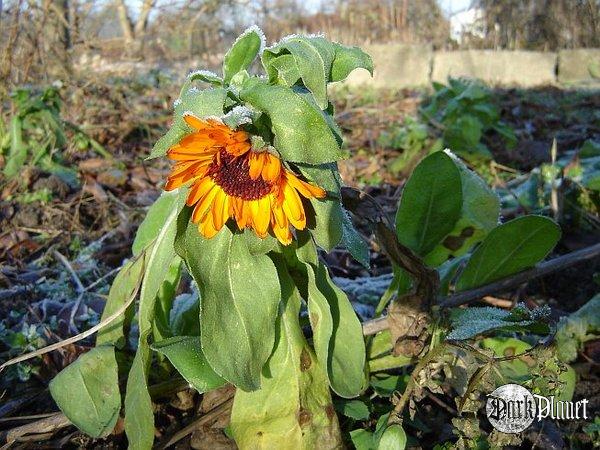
column 239, row 297
column 87, row 391
column 347, row 354
column 293, row 408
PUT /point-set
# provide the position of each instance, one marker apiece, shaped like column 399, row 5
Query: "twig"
column 80, row 336
column 206, row 418
column 65, row 262
column 376, row 325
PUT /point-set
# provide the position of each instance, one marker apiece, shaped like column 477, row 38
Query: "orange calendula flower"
column 230, row 181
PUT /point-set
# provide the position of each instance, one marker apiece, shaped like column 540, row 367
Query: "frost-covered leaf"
column 313, row 57
column 469, row 322
column 243, row 52
column 301, row 132
column 347, row 59
column 207, row 103
column 354, row 242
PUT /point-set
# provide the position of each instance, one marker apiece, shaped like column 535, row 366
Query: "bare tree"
column 134, row 34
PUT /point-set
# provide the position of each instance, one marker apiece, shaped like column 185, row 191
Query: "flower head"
column 229, row 180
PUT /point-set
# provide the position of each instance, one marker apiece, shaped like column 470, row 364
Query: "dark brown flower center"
column 232, row 174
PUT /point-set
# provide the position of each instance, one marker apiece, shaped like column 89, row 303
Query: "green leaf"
column 18, row 150
column 186, row 355
column 355, row 409
column 154, row 220
column 243, row 52
column 87, row 391
column 202, row 104
column 393, row 438
column 479, row 215
column 509, row 248
column 354, row 242
column 468, row 323
column 313, row 58
column 347, row 59
column 139, row 416
column 240, row 293
column 327, row 227
column 283, row 68
column 164, row 300
column 430, row 205
column 301, row 132
column 124, row 286
column 184, row 319
column 293, row 408
column 362, row 439
column 346, row 347
column 579, row 327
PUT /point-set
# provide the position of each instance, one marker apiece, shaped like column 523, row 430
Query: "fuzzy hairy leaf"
column 301, row 132
column 87, row 391
column 347, row 59
column 313, row 57
column 242, row 53
column 205, row 103
column 186, row 355
column 239, row 297
column 293, row 408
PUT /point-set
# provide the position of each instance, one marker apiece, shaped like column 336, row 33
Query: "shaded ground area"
column 58, row 254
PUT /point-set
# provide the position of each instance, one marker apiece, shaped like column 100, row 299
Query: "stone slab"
column 497, row 67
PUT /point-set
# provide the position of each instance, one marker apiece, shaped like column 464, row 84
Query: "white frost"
column 259, row 32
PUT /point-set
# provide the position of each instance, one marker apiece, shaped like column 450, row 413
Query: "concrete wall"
column 579, row 66
column 400, row 66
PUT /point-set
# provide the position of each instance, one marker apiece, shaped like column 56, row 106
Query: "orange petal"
column 272, row 168
column 220, row 209
column 306, row 189
column 199, row 190
column 283, row 234
column 195, row 122
column 256, row 162
column 204, row 205
column 292, row 205
column 207, row 228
